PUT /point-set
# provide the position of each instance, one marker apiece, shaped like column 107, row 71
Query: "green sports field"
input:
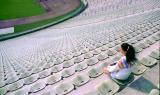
column 10, row 9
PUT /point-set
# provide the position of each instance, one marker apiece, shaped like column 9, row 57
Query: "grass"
column 11, row 9
column 20, row 28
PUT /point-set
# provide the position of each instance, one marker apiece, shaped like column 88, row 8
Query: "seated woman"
column 122, row 68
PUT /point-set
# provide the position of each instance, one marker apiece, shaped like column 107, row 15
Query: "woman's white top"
column 118, row 73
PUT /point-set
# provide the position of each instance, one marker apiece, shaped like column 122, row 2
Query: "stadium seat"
column 139, row 38
column 84, row 50
column 104, row 48
column 16, row 85
column 37, row 87
column 98, row 45
column 123, row 39
column 96, row 51
column 102, row 56
column 11, row 79
column 154, row 92
column 148, row 61
column 44, row 74
column 111, row 52
column 53, row 79
column 150, row 41
column 138, row 49
column 31, row 79
column 64, row 88
column 68, row 63
column 48, row 65
column 68, row 57
column 144, row 35
column 56, row 68
column 80, row 80
column 117, row 42
column 78, row 59
column 25, row 74
column 67, row 72
column 36, row 70
column 3, row 90
column 91, row 48
column 124, row 82
column 116, row 57
column 94, row 92
column 75, row 54
column 21, row 92
column 143, row 45
column 155, row 54
column 108, row 87
column 88, row 55
column 138, row 68
column 156, row 38
column 92, row 61
column 2, row 83
column 81, row 66
column 110, row 45
column 94, row 72
column 48, row 93
column 60, row 60
column 134, row 34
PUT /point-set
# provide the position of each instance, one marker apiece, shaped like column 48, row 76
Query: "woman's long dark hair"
column 130, row 52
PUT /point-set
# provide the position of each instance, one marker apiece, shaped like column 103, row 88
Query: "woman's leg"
column 122, row 74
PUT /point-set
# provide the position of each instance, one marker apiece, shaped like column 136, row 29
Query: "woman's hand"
column 105, row 70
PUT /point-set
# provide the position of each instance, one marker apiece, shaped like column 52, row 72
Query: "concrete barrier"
column 6, row 30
